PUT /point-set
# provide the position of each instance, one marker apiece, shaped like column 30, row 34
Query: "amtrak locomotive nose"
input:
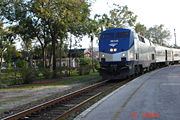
column 114, row 43
column 113, row 47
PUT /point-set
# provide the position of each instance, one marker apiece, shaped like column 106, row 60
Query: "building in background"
column 74, row 56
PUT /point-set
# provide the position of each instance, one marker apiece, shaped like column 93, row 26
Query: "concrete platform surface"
column 153, row 96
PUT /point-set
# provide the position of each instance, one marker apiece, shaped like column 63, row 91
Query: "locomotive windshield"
column 107, row 35
column 115, row 35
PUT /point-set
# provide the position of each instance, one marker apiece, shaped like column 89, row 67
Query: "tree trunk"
column 50, row 60
column 60, row 59
column 44, row 57
column 60, row 56
column 69, row 66
column 43, row 46
column 54, row 57
column 1, row 57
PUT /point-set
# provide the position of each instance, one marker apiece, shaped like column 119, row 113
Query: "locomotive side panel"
column 146, row 52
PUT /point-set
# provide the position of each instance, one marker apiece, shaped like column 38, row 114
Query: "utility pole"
column 175, row 37
column 92, row 38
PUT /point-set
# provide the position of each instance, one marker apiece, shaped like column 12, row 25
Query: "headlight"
column 102, row 55
column 123, row 54
column 111, row 49
column 115, row 49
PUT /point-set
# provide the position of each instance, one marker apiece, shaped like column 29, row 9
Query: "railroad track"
column 64, row 106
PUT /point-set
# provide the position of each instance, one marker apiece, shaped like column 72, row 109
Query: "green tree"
column 3, row 43
column 17, row 15
column 158, row 34
column 46, row 20
column 121, row 16
column 61, row 17
column 103, row 21
column 6, row 41
column 92, row 31
column 141, row 29
column 11, row 55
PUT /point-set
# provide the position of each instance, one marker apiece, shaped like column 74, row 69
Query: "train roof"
column 117, row 30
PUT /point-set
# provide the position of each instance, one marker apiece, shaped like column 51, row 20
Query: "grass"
column 74, row 79
column 80, row 79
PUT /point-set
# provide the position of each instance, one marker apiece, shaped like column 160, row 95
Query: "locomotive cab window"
column 107, row 35
column 141, row 39
column 122, row 35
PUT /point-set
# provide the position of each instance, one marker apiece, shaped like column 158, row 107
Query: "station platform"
column 152, row 96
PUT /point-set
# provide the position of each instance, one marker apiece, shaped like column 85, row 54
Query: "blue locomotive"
column 123, row 52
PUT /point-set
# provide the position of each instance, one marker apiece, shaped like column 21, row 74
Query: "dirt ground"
column 10, row 99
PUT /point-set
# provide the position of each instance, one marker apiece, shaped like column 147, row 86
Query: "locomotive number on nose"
column 114, row 41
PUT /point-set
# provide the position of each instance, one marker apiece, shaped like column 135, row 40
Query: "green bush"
column 22, row 64
column 46, row 73
column 40, row 64
column 3, row 85
column 8, row 70
column 84, row 62
column 28, row 75
column 96, row 64
column 84, row 70
column 85, row 66
column 19, row 76
column 14, row 82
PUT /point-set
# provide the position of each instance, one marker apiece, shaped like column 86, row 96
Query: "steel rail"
column 79, row 106
column 52, row 102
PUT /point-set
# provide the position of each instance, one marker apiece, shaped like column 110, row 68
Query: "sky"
column 149, row 12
